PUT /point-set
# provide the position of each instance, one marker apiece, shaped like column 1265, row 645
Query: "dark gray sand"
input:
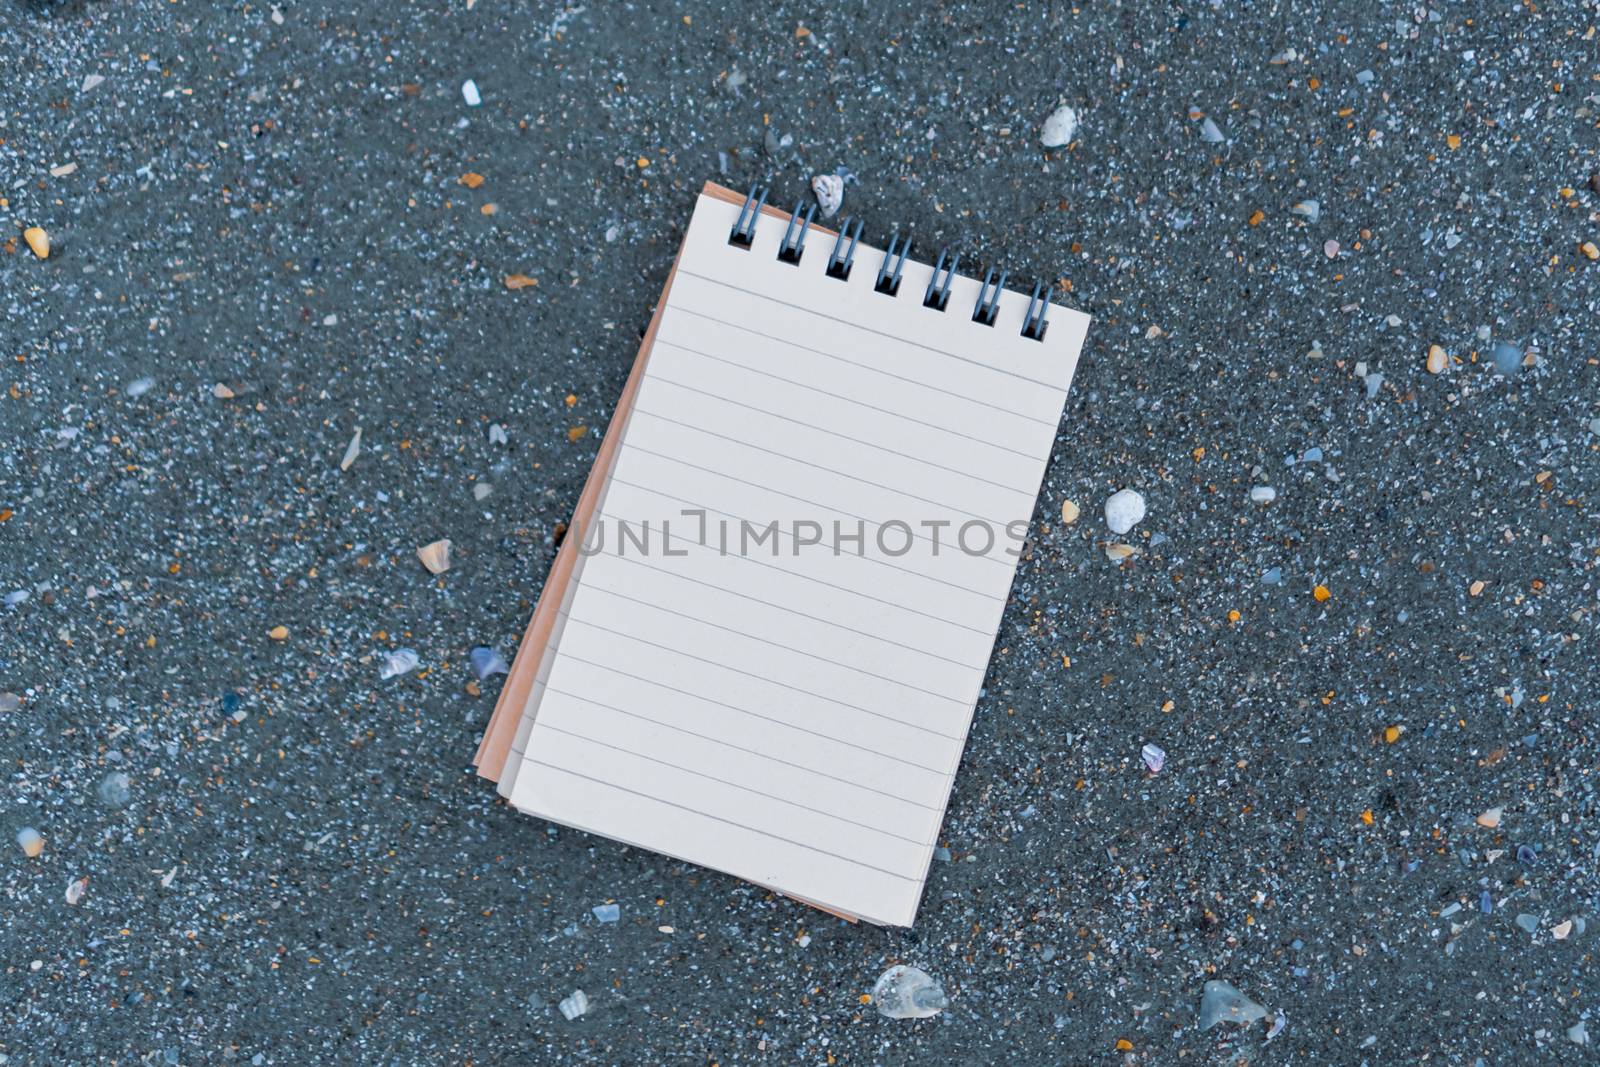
column 269, row 198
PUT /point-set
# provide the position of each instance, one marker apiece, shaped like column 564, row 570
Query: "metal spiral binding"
column 1033, row 328
column 790, row 253
column 988, row 305
column 842, row 258
column 937, row 296
column 743, row 234
column 889, row 284
column 837, row 267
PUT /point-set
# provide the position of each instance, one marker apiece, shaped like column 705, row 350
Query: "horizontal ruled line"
column 727, row 821
column 732, row 785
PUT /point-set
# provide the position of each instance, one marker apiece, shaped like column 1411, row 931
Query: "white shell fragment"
column 351, row 451
column 1221, row 1003
column 75, row 891
column 469, row 93
column 1309, row 210
column 1154, row 756
column 30, row 841
column 575, row 1005
column 1124, row 510
column 829, row 191
column 1059, row 128
column 400, row 661
column 904, row 992
column 435, row 556
column 1210, row 132
column 487, row 661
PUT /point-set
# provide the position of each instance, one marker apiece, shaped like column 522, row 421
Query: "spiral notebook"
column 761, row 643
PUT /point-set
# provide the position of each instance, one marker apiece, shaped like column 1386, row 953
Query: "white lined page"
column 789, row 714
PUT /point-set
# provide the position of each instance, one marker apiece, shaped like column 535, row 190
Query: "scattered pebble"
column 1116, row 551
column 906, row 992
column 1309, row 210
column 1491, row 818
column 575, row 1005
column 351, row 450
column 1154, row 758
column 1437, row 360
column 481, row 490
column 1561, row 930
column 435, row 556
column 279, row 633
column 607, row 913
column 829, row 191
column 115, row 790
column 400, row 661
column 469, row 93
column 1222, row 1003
column 1330, row 248
column 9, row 702
column 221, row 392
column 1263, row 494
column 31, row 840
column 1069, row 512
column 1124, row 510
column 1210, row 132
column 1527, row 922
column 1507, row 358
column 1059, row 128
column 497, row 434
column 38, row 241
column 487, row 661
column 1578, row 1033
column 91, row 81
column 140, row 386
column 75, row 890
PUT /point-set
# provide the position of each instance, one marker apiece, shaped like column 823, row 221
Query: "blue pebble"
column 608, row 913
column 1486, row 903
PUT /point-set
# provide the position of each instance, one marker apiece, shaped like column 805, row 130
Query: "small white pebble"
column 575, row 1005
column 141, row 386
column 1059, row 128
column 469, row 93
column 829, row 191
column 31, row 841
column 1124, row 510
column 1263, row 494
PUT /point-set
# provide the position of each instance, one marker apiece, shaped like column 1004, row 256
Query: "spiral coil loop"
column 743, row 234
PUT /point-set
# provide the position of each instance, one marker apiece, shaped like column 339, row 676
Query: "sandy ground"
column 303, row 870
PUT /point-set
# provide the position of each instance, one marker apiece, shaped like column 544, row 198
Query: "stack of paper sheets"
column 762, row 640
